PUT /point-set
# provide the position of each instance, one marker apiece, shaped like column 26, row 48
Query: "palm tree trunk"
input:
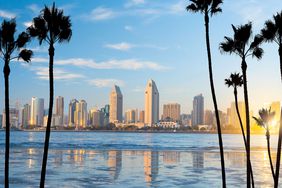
column 269, row 153
column 244, row 72
column 214, row 101
column 7, row 117
column 278, row 157
column 48, row 128
column 243, row 132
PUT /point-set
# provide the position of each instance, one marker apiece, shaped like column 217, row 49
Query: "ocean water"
column 113, row 159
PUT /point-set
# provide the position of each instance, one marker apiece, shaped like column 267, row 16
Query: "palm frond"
column 25, row 55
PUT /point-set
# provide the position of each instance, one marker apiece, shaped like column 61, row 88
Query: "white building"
column 151, row 103
column 37, row 111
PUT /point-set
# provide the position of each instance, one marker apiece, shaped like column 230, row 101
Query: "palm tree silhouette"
column 210, row 8
column 8, row 46
column 242, row 46
column 265, row 117
column 50, row 26
column 272, row 32
column 236, row 80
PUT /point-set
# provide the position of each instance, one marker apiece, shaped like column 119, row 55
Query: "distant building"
column 209, row 117
column 275, row 107
column 198, row 110
column 72, row 109
column 96, row 118
column 37, row 111
column 171, row 112
column 151, row 104
column 106, row 111
column 130, row 116
column 26, row 115
column 80, row 114
column 14, row 118
column 141, row 116
column 116, row 103
column 59, row 110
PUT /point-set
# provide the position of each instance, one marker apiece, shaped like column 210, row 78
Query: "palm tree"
column 11, row 48
column 265, row 117
column 50, row 26
column 272, row 32
column 236, row 80
column 242, row 46
column 210, row 8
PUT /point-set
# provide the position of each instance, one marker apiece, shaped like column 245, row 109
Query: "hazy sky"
column 127, row 42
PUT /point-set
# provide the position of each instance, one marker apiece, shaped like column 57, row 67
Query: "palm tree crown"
column 235, row 80
column 8, row 43
column 265, row 116
column 239, row 43
column 51, row 26
column 205, row 6
column 273, row 29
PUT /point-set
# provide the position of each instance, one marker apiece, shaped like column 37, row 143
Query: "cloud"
column 178, row 7
column 105, row 82
column 34, row 8
column 132, row 3
column 125, row 64
column 59, row 74
column 128, row 28
column 123, row 46
column 27, row 24
column 40, row 49
column 101, row 13
column 7, row 14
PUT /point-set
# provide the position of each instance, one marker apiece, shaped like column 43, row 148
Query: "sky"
column 128, row 42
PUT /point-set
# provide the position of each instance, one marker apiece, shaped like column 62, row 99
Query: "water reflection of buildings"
column 235, row 159
column 114, row 163
column 58, row 161
column 151, row 165
column 76, row 156
column 198, row 159
column 171, row 157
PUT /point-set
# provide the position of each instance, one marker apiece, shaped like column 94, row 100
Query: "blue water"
column 110, row 159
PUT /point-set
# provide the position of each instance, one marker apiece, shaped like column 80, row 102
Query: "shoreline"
column 137, row 131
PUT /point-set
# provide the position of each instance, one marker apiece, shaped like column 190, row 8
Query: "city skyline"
column 142, row 48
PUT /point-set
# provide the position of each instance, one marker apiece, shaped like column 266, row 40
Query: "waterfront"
column 90, row 159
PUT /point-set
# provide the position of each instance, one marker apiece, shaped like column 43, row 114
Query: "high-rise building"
column 59, row 110
column 14, row 117
column 130, row 116
column 151, row 103
column 208, row 117
column 37, row 111
column 198, row 110
column 171, row 112
column 96, row 118
column 141, row 116
column 80, row 115
column 106, row 112
column 116, row 105
column 72, row 108
column 26, row 115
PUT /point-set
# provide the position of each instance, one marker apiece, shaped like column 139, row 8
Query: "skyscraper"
column 141, row 116
column 80, row 115
column 116, row 105
column 171, row 111
column 130, row 116
column 72, row 108
column 151, row 103
column 37, row 111
column 59, row 109
column 198, row 110
column 26, row 115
